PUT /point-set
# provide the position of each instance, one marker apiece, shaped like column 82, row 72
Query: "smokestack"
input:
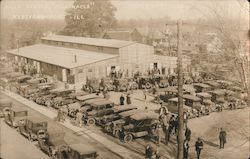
column 75, row 59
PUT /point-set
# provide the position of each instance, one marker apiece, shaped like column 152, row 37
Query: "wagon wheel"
column 91, row 121
column 128, row 138
column 148, row 85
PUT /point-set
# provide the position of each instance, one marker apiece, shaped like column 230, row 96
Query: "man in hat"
column 188, row 134
column 79, row 116
column 122, row 100
column 128, row 99
column 222, row 138
column 198, row 147
column 148, row 152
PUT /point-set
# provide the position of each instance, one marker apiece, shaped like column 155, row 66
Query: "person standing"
column 148, row 152
column 198, row 147
column 79, row 118
column 185, row 149
column 128, row 99
column 122, row 100
column 157, row 153
column 188, row 134
column 158, row 133
column 222, row 138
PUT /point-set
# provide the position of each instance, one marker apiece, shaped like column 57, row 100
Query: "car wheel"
column 148, row 85
column 128, row 138
column 91, row 121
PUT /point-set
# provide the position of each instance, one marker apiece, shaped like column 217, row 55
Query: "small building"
column 128, row 35
column 74, row 59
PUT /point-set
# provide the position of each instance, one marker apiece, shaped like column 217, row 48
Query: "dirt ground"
column 236, row 124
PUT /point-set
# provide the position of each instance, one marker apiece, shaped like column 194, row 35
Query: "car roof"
column 145, row 115
column 102, row 102
column 212, row 83
column 18, row 109
column 124, row 108
column 83, row 149
column 129, row 112
column 35, row 119
column 191, row 97
column 219, row 91
column 204, row 94
column 59, row 90
column 88, row 96
column 75, row 105
column 91, row 101
column 168, row 89
column 175, row 99
column 201, row 85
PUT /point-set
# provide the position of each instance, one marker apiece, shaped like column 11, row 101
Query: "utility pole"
column 180, row 93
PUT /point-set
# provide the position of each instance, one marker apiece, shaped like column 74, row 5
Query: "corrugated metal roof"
column 60, row 56
column 90, row 41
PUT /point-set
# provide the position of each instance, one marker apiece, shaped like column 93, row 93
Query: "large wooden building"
column 73, row 59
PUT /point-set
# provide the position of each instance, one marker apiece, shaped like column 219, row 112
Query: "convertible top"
column 145, row 115
column 118, row 109
column 204, row 94
column 191, row 97
column 86, row 97
column 212, row 83
column 83, row 149
column 102, row 102
column 201, row 85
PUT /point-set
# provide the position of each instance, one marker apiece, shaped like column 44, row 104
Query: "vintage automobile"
column 5, row 106
column 224, row 84
column 73, row 107
column 195, row 103
column 163, row 94
column 218, row 95
column 188, row 89
column 140, row 125
column 37, row 80
column 162, row 81
column 97, row 112
column 39, row 97
column 81, row 151
column 32, row 128
column 145, row 82
column 23, row 79
column 57, row 96
column 201, row 87
column 13, row 117
column 172, row 106
column 113, row 127
column 91, row 86
column 87, row 97
column 206, row 100
column 53, row 144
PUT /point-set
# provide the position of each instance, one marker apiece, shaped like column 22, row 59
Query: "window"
column 80, row 70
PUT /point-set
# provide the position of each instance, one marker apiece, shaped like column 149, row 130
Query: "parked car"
column 23, row 78
column 213, row 84
column 5, row 106
column 172, row 106
column 114, row 126
column 14, row 116
column 206, row 100
column 97, row 112
column 201, row 87
column 195, row 103
column 33, row 128
column 140, row 125
column 218, row 95
column 166, row 93
column 81, row 151
column 53, row 144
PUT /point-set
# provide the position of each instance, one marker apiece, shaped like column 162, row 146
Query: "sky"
column 126, row 9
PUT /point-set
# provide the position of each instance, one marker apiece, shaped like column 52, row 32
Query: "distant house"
column 128, row 35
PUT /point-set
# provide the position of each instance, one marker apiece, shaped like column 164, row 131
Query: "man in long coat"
column 222, row 138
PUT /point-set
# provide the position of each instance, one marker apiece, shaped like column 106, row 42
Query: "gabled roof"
column 89, row 41
column 60, row 56
column 118, row 35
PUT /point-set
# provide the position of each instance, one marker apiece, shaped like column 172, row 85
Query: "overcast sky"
column 127, row 9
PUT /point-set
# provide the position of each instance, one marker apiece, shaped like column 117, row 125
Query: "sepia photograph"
column 124, row 79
